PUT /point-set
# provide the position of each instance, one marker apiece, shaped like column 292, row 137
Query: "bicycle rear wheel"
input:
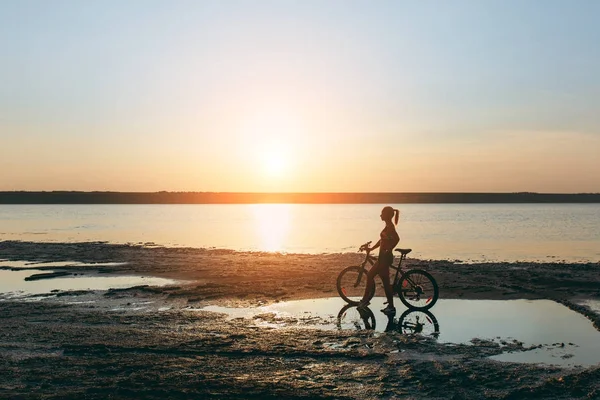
column 351, row 284
column 416, row 322
column 418, row 290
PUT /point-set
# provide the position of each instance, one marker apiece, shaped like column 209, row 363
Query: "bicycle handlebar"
column 365, row 247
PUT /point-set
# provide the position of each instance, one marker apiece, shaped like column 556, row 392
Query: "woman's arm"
column 375, row 246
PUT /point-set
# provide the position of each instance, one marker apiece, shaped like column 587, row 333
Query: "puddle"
column 47, row 264
column 565, row 337
column 14, row 285
column 139, row 306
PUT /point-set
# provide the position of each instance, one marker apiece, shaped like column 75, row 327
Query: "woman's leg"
column 370, row 282
column 384, row 274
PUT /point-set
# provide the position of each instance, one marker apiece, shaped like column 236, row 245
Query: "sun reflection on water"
column 272, row 225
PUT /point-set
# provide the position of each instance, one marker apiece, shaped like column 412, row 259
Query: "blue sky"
column 300, row 95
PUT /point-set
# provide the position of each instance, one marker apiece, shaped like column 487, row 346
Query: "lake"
column 468, row 232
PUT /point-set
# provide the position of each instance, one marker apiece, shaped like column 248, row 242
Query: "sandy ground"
column 51, row 349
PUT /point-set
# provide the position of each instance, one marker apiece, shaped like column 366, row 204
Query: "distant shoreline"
column 74, row 197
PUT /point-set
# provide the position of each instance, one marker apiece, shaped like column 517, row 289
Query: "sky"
column 300, row 96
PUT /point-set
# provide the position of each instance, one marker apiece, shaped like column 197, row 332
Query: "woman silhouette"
column 388, row 240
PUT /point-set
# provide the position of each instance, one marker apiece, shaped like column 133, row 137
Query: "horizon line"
column 163, row 197
column 292, row 193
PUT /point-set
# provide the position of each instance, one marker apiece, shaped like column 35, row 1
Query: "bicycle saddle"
column 404, row 251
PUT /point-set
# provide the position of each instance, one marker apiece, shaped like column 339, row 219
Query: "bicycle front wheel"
column 352, row 283
column 350, row 317
column 418, row 290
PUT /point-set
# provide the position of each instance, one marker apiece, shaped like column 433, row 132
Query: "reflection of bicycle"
column 416, row 288
column 416, row 322
column 411, row 322
column 350, row 317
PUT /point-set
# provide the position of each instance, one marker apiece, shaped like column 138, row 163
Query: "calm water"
column 13, row 284
column 567, row 338
column 546, row 232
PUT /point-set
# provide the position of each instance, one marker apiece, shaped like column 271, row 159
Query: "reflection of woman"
column 391, row 323
column 388, row 240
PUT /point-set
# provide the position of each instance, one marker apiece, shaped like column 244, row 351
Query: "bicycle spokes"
column 419, row 323
column 418, row 289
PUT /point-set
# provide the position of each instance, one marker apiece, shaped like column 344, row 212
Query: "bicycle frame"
column 399, row 271
column 368, row 259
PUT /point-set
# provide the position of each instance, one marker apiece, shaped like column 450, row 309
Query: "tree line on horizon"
column 164, row 197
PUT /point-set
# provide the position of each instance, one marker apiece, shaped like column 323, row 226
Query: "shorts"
column 386, row 258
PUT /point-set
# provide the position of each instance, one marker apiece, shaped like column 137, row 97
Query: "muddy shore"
column 53, row 349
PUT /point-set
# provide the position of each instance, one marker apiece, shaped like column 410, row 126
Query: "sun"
column 275, row 155
column 274, row 164
column 273, row 139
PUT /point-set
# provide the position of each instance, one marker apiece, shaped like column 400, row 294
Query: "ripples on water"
column 469, row 232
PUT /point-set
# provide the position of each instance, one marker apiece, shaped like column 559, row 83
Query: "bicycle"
column 411, row 322
column 350, row 317
column 416, row 288
column 418, row 322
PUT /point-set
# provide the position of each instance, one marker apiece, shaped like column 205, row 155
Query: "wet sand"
column 53, row 349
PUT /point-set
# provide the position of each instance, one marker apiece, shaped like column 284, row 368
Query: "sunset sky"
column 350, row 96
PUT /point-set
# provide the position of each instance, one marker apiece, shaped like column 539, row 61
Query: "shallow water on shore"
column 548, row 332
column 13, row 284
column 18, row 264
column 593, row 305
